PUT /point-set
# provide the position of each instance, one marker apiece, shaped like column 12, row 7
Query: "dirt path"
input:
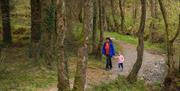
column 152, row 70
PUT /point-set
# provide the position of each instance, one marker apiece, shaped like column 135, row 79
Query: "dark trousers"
column 120, row 65
column 108, row 62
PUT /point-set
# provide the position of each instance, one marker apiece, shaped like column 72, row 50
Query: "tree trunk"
column 80, row 77
column 99, row 54
column 7, row 38
column 153, row 27
column 48, row 32
column 132, row 77
column 168, row 82
column 122, row 14
column 156, row 9
column 113, row 15
column 81, row 11
column 63, row 79
column 94, row 48
column 135, row 11
column 35, row 20
column 70, row 22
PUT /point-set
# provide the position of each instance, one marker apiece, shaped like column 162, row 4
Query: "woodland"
column 56, row 45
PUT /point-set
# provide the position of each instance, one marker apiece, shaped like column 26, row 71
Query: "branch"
column 177, row 33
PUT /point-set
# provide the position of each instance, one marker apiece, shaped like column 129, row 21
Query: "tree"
column 5, row 11
column 134, row 11
column 63, row 79
column 81, row 11
column 132, row 77
column 101, row 36
column 80, row 77
column 170, row 50
column 122, row 14
column 153, row 26
column 94, row 48
column 48, row 33
column 113, row 15
column 35, row 20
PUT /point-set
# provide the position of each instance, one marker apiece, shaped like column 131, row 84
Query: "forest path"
column 152, row 69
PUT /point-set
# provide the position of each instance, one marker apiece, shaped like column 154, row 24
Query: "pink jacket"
column 120, row 59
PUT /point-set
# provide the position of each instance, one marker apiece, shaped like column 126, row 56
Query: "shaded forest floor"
column 18, row 72
column 152, row 71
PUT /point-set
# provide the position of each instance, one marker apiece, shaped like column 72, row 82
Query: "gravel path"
column 152, row 70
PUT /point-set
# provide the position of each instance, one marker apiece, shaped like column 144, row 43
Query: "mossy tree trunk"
column 132, row 77
column 168, row 82
column 5, row 11
column 80, row 77
column 63, row 79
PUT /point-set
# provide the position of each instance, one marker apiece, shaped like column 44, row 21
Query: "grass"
column 19, row 73
column 120, row 84
column 25, row 78
column 160, row 48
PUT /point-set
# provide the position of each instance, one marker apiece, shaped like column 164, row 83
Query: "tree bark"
column 153, row 27
column 168, row 82
column 132, row 77
column 94, row 47
column 48, row 33
column 63, row 79
column 135, row 11
column 101, row 36
column 121, row 7
column 81, row 11
column 113, row 15
column 80, row 77
column 35, row 20
column 5, row 11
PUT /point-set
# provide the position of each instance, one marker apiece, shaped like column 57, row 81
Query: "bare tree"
column 80, row 77
column 132, row 77
column 63, row 79
column 168, row 86
column 5, row 11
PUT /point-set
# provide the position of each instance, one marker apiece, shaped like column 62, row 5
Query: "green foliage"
column 120, row 84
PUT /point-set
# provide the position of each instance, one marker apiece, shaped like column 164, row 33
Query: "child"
column 120, row 60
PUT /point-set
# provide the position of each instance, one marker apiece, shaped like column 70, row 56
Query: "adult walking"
column 109, row 52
